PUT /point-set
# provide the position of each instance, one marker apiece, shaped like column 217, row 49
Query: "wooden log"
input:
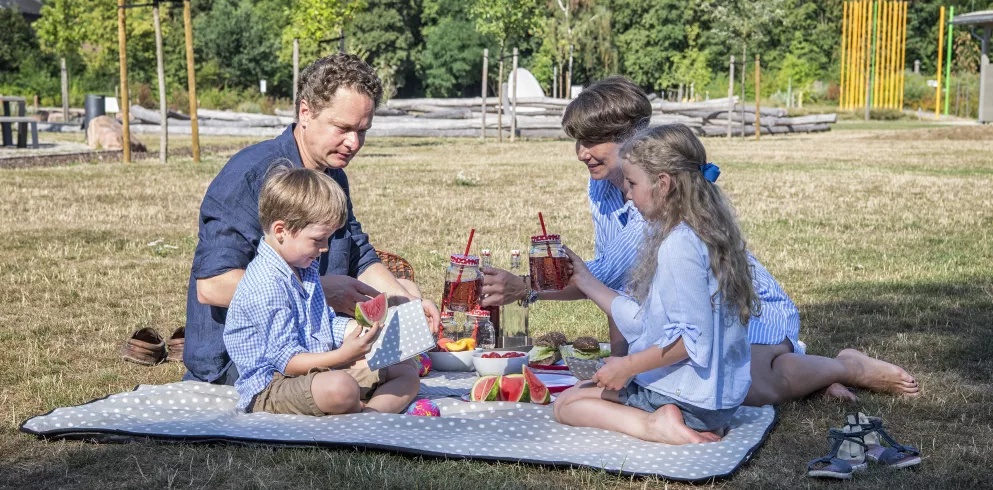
column 282, row 113
column 231, row 115
column 712, row 104
column 459, row 113
column 382, row 112
column 811, row 119
column 765, row 111
column 543, row 133
column 473, row 102
column 809, row 128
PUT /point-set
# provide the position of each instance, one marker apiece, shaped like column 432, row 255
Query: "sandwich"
column 546, row 349
column 586, row 348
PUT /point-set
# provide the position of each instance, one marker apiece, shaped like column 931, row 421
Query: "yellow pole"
column 887, row 53
column 864, row 53
column 896, row 55
column 877, row 69
column 123, row 103
column 844, row 42
column 881, row 60
column 852, row 25
column 903, row 54
column 857, row 61
column 191, row 80
column 941, row 44
column 890, row 52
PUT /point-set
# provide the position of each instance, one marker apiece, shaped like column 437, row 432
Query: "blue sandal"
column 847, row 456
column 881, row 448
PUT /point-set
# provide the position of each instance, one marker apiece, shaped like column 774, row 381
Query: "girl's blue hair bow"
column 710, row 172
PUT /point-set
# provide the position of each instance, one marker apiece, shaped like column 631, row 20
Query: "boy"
column 294, row 355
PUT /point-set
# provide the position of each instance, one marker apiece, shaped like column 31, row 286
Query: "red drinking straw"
column 458, row 279
column 544, row 232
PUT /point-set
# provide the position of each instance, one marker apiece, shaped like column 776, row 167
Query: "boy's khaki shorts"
column 292, row 395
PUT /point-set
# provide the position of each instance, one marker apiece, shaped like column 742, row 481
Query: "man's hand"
column 357, row 343
column 432, row 314
column 342, row 293
column 501, row 287
column 614, row 374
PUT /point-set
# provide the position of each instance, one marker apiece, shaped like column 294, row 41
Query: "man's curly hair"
column 321, row 80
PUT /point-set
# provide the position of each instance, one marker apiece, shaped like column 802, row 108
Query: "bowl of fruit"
column 495, row 363
column 453, row 355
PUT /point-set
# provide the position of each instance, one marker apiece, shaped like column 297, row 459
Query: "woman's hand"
column 581, row 274
column 615, row 373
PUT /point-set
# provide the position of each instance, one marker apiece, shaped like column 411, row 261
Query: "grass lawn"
column 883, row 239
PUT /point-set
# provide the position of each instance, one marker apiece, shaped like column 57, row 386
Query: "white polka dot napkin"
column 405, row 335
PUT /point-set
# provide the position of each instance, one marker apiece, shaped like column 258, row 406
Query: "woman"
column 601, row 118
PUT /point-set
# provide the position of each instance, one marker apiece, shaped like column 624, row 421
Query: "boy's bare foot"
column 840, row 392
column 877, row 375
column 666, row 425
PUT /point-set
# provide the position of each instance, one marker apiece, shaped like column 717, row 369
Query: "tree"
column 315, row 21
column 506, row 20
column 61, row 35
column 385, row 34
column 450, row 62
column 243, row 38
column 647, row 35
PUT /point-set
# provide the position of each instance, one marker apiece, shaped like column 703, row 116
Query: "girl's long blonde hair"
column 674, row 150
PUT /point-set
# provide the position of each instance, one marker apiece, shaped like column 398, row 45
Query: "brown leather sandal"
column 145, row 347
column 175, row 345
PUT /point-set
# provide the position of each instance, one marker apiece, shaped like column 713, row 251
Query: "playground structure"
column 873, row 54
column 983, row 21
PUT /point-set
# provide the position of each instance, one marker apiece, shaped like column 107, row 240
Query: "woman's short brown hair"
column 320, row 81
column 301, row 197
column 610, row 110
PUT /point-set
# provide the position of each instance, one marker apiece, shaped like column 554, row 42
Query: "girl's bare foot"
column 877, row 375
column 666, row 425
column 840, row 392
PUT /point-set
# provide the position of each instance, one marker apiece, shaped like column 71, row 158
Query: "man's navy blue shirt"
column 229, row 236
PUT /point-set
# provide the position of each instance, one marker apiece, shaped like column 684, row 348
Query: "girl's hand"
column 614, row 374
column 580, row 273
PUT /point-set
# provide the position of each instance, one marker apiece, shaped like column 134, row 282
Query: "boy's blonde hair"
column 301, row 197
column 673, row 149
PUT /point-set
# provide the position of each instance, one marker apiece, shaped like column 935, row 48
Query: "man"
column 337, row 97
column 600, row 119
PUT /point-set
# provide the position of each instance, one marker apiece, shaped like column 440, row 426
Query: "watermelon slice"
column 485, row 389
column 538, row 391
column 513, row 388
column 373, row 311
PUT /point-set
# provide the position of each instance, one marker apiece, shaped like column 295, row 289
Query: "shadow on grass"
column 930, row 326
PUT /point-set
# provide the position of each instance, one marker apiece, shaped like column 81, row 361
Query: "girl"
column 691, row 297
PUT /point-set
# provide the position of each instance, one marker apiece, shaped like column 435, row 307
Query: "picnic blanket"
column 195, row 412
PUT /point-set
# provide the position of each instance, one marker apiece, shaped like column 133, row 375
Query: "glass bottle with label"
column 514, row 332
column 486, row 260
column 482, row 330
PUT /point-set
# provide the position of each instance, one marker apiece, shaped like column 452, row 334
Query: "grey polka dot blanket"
column 194, row 412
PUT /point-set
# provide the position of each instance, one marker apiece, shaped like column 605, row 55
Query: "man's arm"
column 218, row 290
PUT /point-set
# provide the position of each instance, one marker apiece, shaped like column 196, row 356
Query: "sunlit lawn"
column 883, row 238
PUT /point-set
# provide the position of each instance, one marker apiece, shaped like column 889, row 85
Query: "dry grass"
column 884, row 243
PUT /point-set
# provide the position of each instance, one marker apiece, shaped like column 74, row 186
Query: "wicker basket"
column 397, row 265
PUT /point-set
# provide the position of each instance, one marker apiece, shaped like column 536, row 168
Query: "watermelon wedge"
column 538, row 391
column 485, row 389
column 513, row 388
column 373, row 311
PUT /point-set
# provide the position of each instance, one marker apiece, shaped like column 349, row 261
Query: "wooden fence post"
column 163, row 113
column 758, row 95
column 296, row 69
column 124, row 108
column 191, row 80
column 513, row 97
column 730, row 96
column 486, row 74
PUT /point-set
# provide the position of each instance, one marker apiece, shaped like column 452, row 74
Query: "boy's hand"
column 580, row 273
column 357, row 343
column 614, row 374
